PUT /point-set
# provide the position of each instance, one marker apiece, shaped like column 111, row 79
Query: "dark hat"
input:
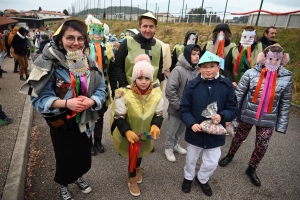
column 45, row 37
column 222, row 27
column 22, row 30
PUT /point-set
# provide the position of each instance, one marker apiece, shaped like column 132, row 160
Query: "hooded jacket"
column 179, row 78
column 279, row 116
column 179, row 48
column 10, row 39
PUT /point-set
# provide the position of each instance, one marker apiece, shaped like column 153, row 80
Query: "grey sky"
column 162, row 5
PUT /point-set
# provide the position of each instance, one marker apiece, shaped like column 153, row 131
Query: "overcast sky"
column 175, row 5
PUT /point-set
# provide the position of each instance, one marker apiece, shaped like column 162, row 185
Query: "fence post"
column 259, row 12
column 168, row 11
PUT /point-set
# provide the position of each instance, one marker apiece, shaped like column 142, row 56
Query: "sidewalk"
column 14, row 138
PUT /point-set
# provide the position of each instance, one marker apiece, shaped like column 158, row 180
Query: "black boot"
column 98, row 145
column 22, row 78
column 252, row 175
column 93, row 149
column 206, row 189
column 27, row 77
column 224, row 161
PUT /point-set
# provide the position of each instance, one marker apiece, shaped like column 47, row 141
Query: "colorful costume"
column 264, row 96
column 101, row 52
column 242, row 57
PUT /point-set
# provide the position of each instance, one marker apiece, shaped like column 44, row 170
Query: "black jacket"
column 119, row 64
column 265, row 41
column 19, row 44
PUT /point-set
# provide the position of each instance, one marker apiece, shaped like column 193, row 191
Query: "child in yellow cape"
column 136, row 119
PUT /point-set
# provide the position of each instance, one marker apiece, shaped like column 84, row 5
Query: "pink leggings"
column 263, row 135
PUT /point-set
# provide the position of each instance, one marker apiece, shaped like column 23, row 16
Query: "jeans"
column 175, row 130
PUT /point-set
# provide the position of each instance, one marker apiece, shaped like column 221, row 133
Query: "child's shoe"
column 186, row 186
column 170, row 155
column 133, row 187
column 179, row 149
column 139, row 177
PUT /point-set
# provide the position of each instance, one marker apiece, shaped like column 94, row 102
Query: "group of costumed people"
column 69, row 86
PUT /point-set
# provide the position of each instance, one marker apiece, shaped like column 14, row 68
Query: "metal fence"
column 173, row 11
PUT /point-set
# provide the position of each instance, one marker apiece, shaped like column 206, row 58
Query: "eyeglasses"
column 71, row 39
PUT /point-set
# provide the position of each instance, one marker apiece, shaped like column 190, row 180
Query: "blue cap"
column 209, row 57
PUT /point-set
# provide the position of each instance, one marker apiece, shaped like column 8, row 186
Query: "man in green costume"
column 142, row 43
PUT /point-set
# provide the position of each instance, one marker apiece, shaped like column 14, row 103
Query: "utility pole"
column 168, row 11
column 146, row 5
column 225, row 11
column 131, row 11
column 110, row 9
column 259, row 12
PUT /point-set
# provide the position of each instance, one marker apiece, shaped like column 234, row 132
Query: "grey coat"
column 177, row 81
column 279, row 116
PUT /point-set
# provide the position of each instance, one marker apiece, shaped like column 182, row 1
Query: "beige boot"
column 139, row 177
column 133, row 186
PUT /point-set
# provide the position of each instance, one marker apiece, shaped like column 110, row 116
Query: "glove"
column 131, row 136
column 155, row 131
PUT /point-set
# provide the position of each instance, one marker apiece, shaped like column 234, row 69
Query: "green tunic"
column 140, row 111
column 134, row 50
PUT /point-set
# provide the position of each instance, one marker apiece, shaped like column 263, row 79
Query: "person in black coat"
column 268, row 38
column 19, row 43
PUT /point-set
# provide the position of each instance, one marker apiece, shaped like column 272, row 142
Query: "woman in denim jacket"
column 67, row 88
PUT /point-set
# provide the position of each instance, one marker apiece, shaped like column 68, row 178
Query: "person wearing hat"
column 68, row 89
column 221, row 44
column 137, row 117
column 264, row 96
column 185, row 70
column 191, row 37
column 242, row 57
column 101, row 52
column 206, row 88
column 19, row 43
column 142, row 43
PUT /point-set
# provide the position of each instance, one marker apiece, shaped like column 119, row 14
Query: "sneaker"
column 133, row 187
column 170, row 155
column 6, row 121
column 179, row 149
column 83, row 186
column 65, row 194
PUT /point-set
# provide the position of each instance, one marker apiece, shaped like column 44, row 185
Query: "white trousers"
column 209, row 164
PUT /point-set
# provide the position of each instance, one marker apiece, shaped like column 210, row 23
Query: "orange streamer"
column 99, row 54
column 262, row 74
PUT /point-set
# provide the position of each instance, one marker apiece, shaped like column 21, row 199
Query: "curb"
column 295, row 107
column 14, row 188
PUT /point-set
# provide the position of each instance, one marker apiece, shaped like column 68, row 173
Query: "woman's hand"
column 87, row 100
column 77, row 104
